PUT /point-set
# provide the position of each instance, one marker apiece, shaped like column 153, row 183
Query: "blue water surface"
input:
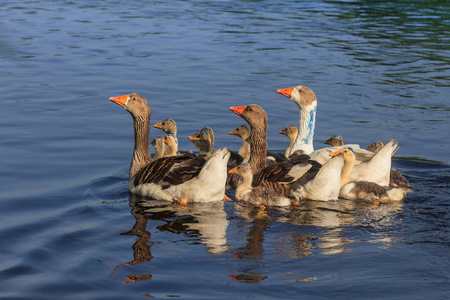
column 69, row 229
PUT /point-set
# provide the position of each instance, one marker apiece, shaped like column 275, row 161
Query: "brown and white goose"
column 364, row 190
column 278, row 175
column 256, row 195
column 291, row 132
column 181, row 178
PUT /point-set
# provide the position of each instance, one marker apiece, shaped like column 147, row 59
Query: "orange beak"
column 286, row 92
column 233, row 171
column 233, row 132
column 283, row 131
column 157, row 125
column 193, row 138
column 238, row 109
column 335, row 153
column 119, row 100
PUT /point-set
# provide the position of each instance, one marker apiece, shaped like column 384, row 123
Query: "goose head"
column 375, row 146
column 241, row 169
column 335, row 140
column 290, row 131
column 300, row 95
column 348, row 153
column 242, row 131
column 255, row 116
column 169, row 126
column 134, row 103
column 203, row 140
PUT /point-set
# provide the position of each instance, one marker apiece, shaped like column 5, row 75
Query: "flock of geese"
column 258, row 176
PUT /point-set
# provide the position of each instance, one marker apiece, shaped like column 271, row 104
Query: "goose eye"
column 134, row 99
column 299, row 91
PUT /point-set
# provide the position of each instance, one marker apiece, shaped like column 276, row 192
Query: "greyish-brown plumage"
column 256, row 195
column 256, row 117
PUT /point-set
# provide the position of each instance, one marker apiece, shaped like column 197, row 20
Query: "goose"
column 375, row 146
column 172, row 145
column 291, row 132
column 378, row 168
column 243, row 132
column 256, row 195
column 335, row 140
column 396, row 177
column 176, row 178
column 159, row 145
column 203, row 140
column 278, row 175
column 324, row 186
column 306, row 101
column 169, row 126
column 364, row 190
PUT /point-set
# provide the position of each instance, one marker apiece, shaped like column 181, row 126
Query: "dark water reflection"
column 69, row 228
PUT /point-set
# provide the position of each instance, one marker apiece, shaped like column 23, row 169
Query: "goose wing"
column 172, row 170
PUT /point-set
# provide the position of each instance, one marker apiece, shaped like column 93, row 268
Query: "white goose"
column 306, row 101
column 324, row 186
column 378, row 168
column 182, row 178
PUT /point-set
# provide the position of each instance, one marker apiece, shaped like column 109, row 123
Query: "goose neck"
column 349, row 163
column 141, row 153
column 306, row 125
column 258, row 147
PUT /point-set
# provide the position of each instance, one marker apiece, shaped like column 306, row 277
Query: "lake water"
column 69, row 228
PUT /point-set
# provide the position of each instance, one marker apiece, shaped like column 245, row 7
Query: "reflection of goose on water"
column 208, row 220
column 183, row 178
